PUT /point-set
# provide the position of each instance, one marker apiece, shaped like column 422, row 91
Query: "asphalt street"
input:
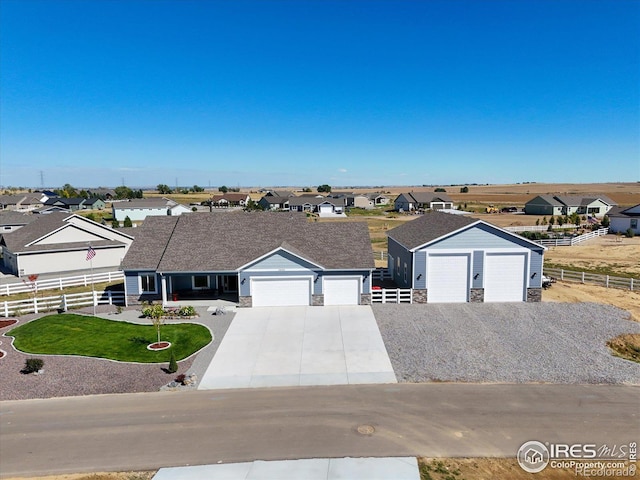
column 152, row 430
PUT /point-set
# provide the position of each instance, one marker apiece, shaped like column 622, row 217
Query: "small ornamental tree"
column 173, row 365
column 127, row 222
column 605, row 221
column 157, row 318
column 552, row 220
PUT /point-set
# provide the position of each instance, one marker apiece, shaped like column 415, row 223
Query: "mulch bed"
column 8, row 322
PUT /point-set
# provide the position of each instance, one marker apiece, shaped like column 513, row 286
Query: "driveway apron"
column 289, row 346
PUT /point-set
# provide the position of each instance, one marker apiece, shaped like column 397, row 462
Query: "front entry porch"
column 205, row 289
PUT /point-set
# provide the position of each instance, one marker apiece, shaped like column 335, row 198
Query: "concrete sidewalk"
column 291, row 346
column 394, row 468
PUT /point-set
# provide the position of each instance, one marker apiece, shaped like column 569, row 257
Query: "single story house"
column 139, row 209
column 103, row 193
column 453, row 258
column 592, row 205
column 59, row 242
column 353, row 200
column 378, row 198
column 252, row 258
column 408, row 202
column 11, row 221
column 279, row 193
column 21, row 202
column 316, row 204
column 623, row 219
column 73, row 204
column 230, row 200
column 270, row 202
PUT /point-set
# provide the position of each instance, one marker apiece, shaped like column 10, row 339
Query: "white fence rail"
column 539, row 228
column 594, row 279
column 567, row 242
column 60, row 283
column 392, row 295
column 60, row 302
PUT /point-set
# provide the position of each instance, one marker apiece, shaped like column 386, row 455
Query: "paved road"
column 151, row 430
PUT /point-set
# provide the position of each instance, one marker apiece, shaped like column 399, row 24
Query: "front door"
column 229, row 283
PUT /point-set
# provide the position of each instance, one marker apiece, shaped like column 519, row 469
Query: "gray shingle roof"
column 205, row 242
column 428, row 227
column 428, row 197
column 9, row 217
column 17, row 240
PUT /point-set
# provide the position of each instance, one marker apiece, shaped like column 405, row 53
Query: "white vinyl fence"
column 571, row 241
column 539, row 228
column 392, row 295
column 594, row 279
column 60, row 283
column 60, row 302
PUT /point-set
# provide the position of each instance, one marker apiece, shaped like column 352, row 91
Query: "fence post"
column 64, row 302
column 35, row 305
column 607, row 281
column 60, row 283
column 6, row 309
column 85, row 280
column 109, row 297
column 582, row 277
column 561, row 274
column 632, row 284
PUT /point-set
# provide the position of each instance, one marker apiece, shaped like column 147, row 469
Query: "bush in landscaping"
column 629, row 233
column 173, row 365
column 32, row 365
column 187, row 311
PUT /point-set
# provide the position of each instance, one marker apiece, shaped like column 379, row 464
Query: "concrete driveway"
column 290, row 346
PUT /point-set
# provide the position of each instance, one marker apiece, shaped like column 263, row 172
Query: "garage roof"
column 428, row 227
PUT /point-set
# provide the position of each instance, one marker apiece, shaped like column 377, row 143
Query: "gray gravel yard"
column 69, row 376
column 507, row 342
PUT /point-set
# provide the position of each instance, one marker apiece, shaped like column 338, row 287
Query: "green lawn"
column 70, row 334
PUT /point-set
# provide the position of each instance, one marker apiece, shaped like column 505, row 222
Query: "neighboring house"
column 378, row 198
column 47, row 210
column 592, row 205
column 59, row 242
column 254, row 259
column 353, row 200
column 408, row 202
column 452, row 258
column 11, row 221
column 74, row 204
column 316, row 204
column 274, row 203
column 279, row 193
column 103, row 193
column 139, row 209
column 229, row 200
column 21, row 203
column 623, row 219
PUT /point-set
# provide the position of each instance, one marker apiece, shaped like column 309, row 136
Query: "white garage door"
column 279, row 292
column 504, row 278
column 341, row 291
column 448, row 278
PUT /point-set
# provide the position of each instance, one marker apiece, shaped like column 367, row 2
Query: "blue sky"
column 261, row 93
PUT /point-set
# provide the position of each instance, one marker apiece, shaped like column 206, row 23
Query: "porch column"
column 163, row 289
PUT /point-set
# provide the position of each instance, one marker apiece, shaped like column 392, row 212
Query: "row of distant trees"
column 122, row 192
column 165, row 189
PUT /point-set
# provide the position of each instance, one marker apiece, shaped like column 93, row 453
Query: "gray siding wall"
column 477, row 266
column 421, row 269
column 131, row 283
column 536, row 260
column 482, row 236
column 281, row 260
column 399, row 252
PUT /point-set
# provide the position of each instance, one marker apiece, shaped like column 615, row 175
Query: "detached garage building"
column 255, row 259
column 452, row 259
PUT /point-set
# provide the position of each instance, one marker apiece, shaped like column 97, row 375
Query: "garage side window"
column 148, row 283
column 405, row 272
column 398, row 267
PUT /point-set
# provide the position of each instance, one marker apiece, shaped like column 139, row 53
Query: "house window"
column 594, row 209
column 634, row 223
column 398, row 267
column 200, row 282
column 405, row 272
column 148, row 283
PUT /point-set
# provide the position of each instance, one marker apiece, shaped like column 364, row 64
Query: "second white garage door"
column 504, row 277
column 341, row 291
column 448, row 278
column 279, row 292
